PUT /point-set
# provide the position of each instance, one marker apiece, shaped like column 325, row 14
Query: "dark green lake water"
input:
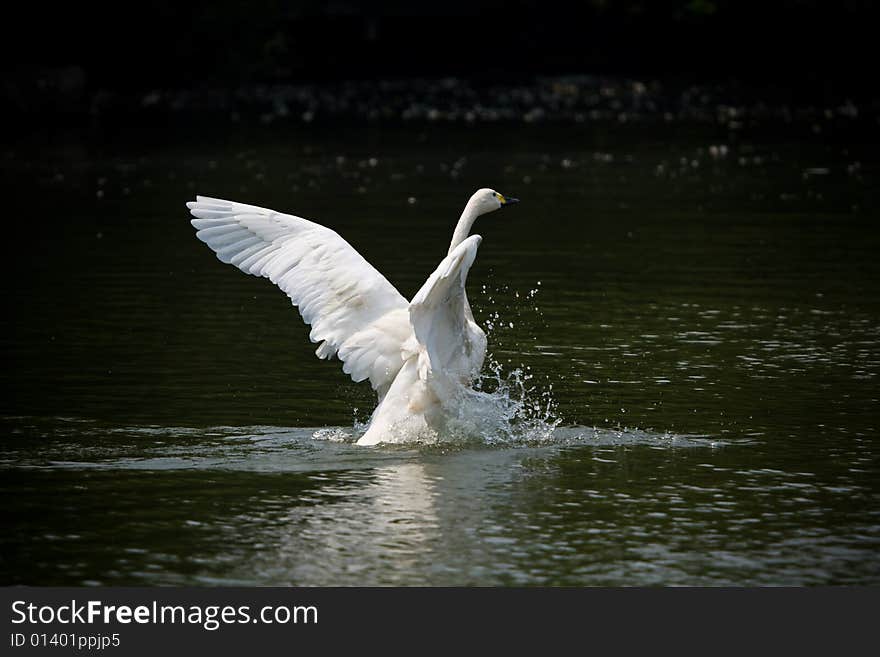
column 705, row 326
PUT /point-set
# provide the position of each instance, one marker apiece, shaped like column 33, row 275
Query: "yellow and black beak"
column 507, row 200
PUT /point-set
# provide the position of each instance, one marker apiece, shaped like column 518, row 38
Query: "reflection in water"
column 266, row 506
column 385, row 528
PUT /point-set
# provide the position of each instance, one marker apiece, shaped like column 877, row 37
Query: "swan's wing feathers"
column 439, row 312
column 375, row 353
column 336, row 290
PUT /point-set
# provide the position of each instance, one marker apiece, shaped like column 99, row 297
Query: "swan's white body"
column 417, row 355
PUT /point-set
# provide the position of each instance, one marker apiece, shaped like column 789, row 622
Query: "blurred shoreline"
column 61, row 98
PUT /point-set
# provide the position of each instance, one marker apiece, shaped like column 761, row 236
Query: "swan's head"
column 488, row 200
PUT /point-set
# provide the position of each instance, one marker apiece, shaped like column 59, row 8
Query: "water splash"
column 503, row 408
column 337, row 434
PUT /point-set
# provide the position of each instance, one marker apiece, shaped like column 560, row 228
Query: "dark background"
column 70, row 57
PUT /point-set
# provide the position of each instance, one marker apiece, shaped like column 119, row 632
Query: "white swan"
column 416, row 354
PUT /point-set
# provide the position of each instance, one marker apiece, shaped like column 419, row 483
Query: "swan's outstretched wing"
column 441, row 317
column 349, row 304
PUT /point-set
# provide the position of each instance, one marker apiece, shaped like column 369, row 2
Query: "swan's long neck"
column 463, row 228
